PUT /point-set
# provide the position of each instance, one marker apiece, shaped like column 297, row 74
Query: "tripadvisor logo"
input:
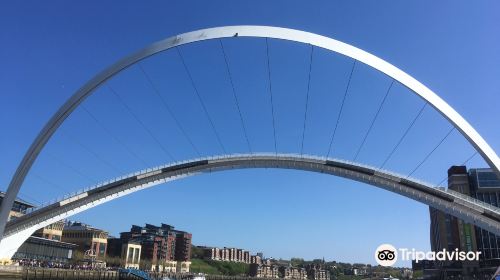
column 387, row 255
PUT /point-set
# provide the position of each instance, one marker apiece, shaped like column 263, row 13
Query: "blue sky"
column 50, row 49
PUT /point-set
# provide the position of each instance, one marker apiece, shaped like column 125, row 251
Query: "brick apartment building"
column 229, row 255
column 278, row 269
column 290, row 272
column 264, row 271
column 317, row 272
column 166, row 248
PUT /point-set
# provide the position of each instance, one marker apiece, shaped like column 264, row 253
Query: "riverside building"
column 278, row 269
column 264, row 270
column 127, row 251
column 290, row 272
column 229, row 255
column 317, row 272
column 92, row 242
column 18, row 208
column 53, row 231
column 163, row 248
column 42, row 249
column 45, row 244
column 450, row 233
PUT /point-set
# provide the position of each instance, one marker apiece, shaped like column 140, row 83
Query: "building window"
column 137, row 254
column 102, row 249
column 130, row 257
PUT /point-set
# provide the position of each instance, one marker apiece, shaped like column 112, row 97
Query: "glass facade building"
column 449, row 232
column 485, row 186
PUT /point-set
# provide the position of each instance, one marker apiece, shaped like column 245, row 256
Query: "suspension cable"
column 234, row 95
column 463, row 163
column 140, row 122
column 49, row 182
column 307, row 100
column 60, row 161
column 90, row 151
column 200, row 99
column 21, row 195
column 341, row 108
column 167, row 108
column 373, row 121
column 271, row 95
column 431, row 152
column 112, row 135
column 404, row 135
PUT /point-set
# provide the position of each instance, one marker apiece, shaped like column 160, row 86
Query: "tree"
column 196, row 252
column 297, row 261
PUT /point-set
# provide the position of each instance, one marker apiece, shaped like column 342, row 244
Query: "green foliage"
column 387, row 271
column 200, row 266
column 196, row 252
column 77, row 256
column 219, row 268
column 297, row 262
column 348, row 277
column 418, row 273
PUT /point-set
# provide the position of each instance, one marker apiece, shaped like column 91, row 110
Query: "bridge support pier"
column 10, row 244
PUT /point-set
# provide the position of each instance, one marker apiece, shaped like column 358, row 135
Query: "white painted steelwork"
column 240, row 31
column 470, row 210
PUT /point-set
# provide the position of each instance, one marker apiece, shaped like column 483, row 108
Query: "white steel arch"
column 241, row 31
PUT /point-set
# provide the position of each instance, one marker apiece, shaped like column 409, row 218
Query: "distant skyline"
column 50, row 49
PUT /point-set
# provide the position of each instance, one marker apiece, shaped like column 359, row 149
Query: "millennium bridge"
column 15, row 232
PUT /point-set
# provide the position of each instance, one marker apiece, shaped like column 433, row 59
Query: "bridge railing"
column 144, row 171
column 474, row 203
column 271, row 155
column 474, row 200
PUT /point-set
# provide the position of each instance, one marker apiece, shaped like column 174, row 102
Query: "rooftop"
column 18, row 200
column 78, row 226
column 45, row 241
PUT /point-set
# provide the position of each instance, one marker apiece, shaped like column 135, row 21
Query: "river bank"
column 36, row 273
